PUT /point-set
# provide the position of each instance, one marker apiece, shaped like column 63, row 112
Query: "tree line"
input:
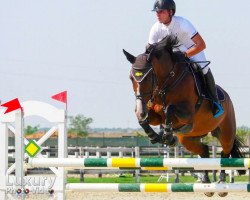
column 80, row 125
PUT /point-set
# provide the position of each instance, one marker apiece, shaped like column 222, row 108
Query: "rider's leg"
column 210, row 85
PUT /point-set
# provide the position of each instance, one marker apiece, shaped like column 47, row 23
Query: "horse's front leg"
column 172, row 112
column 167, row 136
column 167, row 129
column 154, row 137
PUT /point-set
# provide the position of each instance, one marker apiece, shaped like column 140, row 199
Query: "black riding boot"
column 211, row 88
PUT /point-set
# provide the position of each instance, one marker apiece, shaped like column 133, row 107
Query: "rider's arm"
column 154, row 34
column 198, row 47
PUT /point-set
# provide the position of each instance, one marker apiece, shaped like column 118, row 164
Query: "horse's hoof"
column 209, row 194
column 223, row 194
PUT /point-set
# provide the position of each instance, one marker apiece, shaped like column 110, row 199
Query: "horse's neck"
column 163, row 66
column 165, row 69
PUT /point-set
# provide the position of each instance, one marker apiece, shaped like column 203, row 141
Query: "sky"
column 48, row 46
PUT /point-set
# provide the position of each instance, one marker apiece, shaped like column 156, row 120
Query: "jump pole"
column 158, row 187
column 161, row 163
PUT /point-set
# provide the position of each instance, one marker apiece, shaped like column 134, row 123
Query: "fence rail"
column 178, row 151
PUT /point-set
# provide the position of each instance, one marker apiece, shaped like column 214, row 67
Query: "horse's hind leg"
column 226, row 135
column 226, row 131
column 194, row 145
column 227, row 145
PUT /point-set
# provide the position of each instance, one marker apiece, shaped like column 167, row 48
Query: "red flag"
column 62, row 96
column 12, row 105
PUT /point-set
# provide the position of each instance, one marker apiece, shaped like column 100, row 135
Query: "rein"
column 165, row 88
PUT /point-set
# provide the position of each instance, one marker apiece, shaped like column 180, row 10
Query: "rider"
column 190, row 41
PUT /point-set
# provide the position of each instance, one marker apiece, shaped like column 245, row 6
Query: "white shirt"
column 183, row 30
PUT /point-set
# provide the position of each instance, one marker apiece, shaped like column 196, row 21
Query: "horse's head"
column 152, row 69
column 153, row 74
column 142, row 79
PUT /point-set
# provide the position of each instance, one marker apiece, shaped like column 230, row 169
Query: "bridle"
column 157, row 91
column 153, row 81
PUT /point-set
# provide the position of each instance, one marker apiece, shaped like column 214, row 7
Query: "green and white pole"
column 158, row 187
column 145, row 163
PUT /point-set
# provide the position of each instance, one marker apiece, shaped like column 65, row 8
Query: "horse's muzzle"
column 141, row 111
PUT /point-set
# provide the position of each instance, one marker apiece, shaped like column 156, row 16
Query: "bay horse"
column 167, row 95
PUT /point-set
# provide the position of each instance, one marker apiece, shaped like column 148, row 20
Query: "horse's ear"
column 129, row 57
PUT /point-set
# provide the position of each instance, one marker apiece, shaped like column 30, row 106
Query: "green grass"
column 144, row 179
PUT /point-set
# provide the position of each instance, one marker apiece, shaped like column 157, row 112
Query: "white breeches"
column 198, row 57
column 201, row 57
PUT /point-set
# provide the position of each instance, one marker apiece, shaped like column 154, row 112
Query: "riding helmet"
column 164, row 5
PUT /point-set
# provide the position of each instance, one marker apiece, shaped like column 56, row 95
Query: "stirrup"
column 220, row 110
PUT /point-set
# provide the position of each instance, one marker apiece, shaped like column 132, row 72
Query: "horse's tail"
column 237, row 150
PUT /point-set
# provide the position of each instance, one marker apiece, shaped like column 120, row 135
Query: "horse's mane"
column 170, row 43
